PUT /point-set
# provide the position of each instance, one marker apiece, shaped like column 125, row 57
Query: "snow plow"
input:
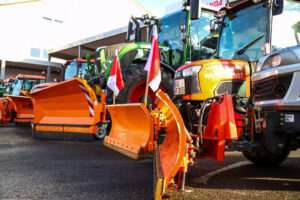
column 15, row 106
column 58, row 116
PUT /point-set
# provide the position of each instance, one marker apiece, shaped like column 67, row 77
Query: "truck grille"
column 273, row 88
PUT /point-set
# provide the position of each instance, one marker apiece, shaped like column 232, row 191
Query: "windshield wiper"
column 245, row 48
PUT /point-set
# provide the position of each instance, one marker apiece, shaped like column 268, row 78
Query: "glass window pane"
column 244, row 33
column 35, row 52
column 170, row 35
column 203, row 44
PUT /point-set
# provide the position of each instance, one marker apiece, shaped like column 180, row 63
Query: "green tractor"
column 183, row 36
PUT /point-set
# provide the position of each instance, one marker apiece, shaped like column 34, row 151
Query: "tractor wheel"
column 265, row 158
column 134, row 78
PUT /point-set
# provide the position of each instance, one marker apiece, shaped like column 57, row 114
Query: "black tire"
column 264, row 158
column 132, row 76
column 102, row 132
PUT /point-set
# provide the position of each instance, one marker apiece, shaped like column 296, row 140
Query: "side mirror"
column 213, row 25
column 129, row 31
column 277, row 7
column 195, row 9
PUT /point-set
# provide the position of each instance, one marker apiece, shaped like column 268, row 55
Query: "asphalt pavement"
column 42, row 169
column 49, row 169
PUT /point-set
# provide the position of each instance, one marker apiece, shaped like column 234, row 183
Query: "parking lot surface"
column 45, row 169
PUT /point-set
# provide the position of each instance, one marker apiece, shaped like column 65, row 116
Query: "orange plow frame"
column 68, row 110
column 170, row 156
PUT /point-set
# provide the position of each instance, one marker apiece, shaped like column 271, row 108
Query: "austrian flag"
column 153, row 63
column 115, row 80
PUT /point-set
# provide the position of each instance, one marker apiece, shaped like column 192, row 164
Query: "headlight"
column 272, row 61
column 178, row 74
column 276, row 60
column 191, row 71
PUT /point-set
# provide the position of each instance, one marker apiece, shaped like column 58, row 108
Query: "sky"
column 25, row 25
column 157, row 7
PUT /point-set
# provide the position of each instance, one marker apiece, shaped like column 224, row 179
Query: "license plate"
column 289, row 118
column 179, row 87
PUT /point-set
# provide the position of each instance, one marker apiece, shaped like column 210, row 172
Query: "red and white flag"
column 115, row 78
column 153, row 63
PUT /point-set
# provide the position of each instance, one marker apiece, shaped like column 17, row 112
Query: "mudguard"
column 70, row 107
column 132, row 131
column 23, row 109
column 221, row 126
column 169, row 157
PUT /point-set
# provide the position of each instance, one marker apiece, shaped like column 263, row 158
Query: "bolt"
column 216, row 131
column 280, row 146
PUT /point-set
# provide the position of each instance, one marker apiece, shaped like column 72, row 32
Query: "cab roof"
column 21, row 76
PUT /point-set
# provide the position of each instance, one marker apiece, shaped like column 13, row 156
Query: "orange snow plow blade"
column 132, row 131
column 24, row 109
column 68, row 110
column 170, row 156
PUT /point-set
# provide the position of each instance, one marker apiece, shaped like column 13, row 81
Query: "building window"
column 58, row 21
column 47, row 19
column 35, row 52
column 45, row 54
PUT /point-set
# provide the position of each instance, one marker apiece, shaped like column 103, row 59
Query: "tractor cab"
column 9, row 86
column 78, row 68
column 26, row 82
column 258, row 28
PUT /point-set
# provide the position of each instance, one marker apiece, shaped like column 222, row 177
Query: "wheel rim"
column 138, row 93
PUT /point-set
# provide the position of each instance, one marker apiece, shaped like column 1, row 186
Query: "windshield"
column 26, row 84
column 286, row 26
column 18, row 86
column 82, row 70
column 170, row 34
column 244, row 33
column 202, row 43
column 71, row 70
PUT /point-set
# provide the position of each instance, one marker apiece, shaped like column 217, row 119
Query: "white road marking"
column 205, row 178
column 272, row 179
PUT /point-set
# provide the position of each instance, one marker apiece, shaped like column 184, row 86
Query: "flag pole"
column 115, row 82
column 114, row 100
column 146, row 92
